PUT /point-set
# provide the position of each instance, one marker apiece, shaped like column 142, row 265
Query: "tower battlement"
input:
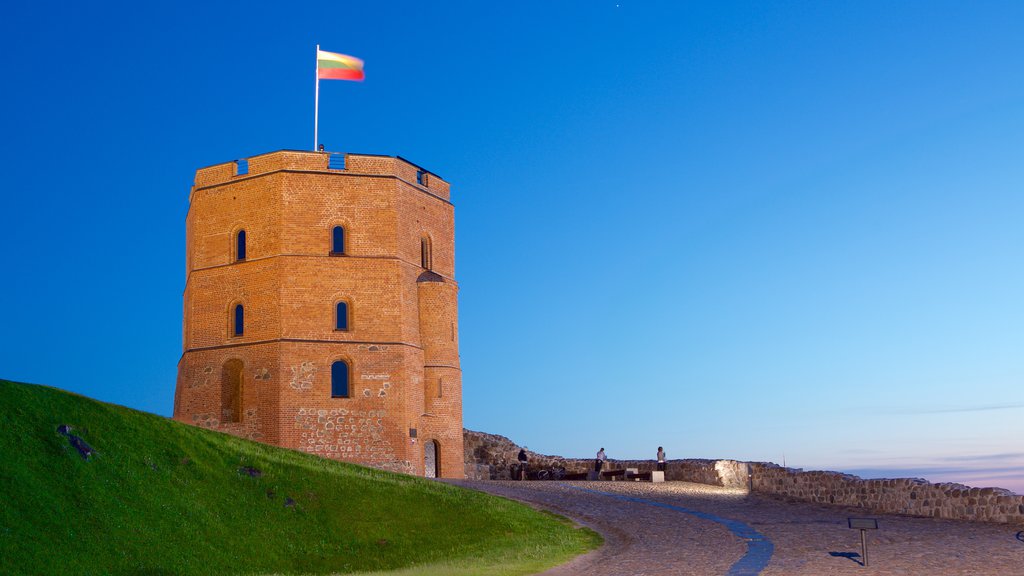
column 321, row 309
column 305, row 161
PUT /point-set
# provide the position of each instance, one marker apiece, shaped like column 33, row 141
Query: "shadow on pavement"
column 853, row 556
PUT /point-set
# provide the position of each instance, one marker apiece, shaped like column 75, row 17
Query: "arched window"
column 240, row 246
column 238, row 321
column 341, row 316
column 231, row 391
column 339, row 379
column 338, row 241
column 426, row 258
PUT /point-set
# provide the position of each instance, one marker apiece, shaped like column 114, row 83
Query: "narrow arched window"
column 238, row 321
column 341, row 316
column 339, row 379
column 240, row 246
column 338, row 241
column 425, row 255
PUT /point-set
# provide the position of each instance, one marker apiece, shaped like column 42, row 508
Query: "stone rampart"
column 492, row 457
column 909, row 496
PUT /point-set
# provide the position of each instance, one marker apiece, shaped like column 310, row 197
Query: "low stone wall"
column 909, row 496
column 491, row 457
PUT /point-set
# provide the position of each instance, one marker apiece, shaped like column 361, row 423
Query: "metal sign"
column 863, row 523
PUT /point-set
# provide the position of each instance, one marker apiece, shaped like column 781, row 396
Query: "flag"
column 333, row 66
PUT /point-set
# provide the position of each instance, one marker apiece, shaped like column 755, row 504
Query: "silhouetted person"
column 522, row 463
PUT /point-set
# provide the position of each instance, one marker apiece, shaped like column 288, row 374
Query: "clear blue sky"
column 746, row 230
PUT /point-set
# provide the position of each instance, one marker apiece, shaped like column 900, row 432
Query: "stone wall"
column 490, row 457
column 909, row 496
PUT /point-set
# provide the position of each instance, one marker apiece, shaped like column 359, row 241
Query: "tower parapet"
column 297, row 160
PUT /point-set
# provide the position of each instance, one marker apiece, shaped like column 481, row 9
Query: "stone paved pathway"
column 685, row 535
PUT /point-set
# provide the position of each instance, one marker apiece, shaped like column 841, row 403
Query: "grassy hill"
column 159, row 497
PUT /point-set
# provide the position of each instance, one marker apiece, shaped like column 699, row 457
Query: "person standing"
column 661, row 459
column 522, row 463
column 599, row 461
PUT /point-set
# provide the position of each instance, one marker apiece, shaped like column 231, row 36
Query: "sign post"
column 863, row 524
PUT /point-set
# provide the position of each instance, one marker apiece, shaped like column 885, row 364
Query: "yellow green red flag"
column 334, row 66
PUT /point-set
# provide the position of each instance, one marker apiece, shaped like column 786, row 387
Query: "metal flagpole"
column 316, row 102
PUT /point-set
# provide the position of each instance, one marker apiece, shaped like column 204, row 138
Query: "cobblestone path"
column 683, row 528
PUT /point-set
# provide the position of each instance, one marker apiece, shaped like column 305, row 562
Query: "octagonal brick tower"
column 321, row 310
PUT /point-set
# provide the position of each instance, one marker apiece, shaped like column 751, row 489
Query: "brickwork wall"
column 443, row 419
column 372, row 288
column 212, row 294
column 312, row 204
column 438, row 326
column 372, row 425
column 288, row 203
column 294, row 160
column 382, row 165
column 442, row 382
column 217, row 213
column 198, row 396
column 427, row 216
column 287, row 160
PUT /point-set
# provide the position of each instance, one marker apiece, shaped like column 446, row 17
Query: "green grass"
column 160, row 497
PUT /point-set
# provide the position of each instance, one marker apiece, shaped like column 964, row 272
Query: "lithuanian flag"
column 332, row 66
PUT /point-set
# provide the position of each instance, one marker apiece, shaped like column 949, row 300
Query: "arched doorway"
column 431, row 459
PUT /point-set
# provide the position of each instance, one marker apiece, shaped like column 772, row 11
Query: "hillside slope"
column 160, row 497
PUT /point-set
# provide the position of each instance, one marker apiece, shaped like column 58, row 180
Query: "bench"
column 651, row 476
column 576, row 476
column 619, row 474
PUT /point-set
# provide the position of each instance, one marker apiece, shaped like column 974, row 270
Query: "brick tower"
column 321, row 312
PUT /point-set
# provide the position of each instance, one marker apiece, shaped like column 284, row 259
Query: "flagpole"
column 316, row 102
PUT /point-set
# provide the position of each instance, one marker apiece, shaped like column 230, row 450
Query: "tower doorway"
column 431, row 459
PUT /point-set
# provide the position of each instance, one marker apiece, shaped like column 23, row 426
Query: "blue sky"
column 747, row 230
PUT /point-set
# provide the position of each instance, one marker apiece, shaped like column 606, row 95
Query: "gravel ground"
column 646, row 539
